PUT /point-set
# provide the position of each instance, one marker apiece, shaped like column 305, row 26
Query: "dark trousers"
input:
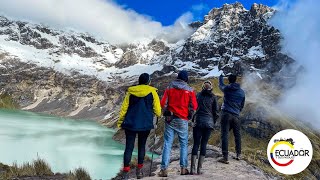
column 230, row 121
column 200, row 136
column 130, row 139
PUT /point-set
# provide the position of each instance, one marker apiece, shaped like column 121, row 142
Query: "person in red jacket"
column 179, row 103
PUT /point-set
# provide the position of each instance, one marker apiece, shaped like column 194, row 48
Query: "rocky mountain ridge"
column 230, row 39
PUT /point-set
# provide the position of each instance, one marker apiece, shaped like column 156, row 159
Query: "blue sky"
column 167, row 11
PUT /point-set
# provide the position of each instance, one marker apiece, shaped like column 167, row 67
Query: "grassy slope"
column 7, row 102
column 40, row 169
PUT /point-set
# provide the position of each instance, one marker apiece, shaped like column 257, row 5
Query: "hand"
column 191, row 124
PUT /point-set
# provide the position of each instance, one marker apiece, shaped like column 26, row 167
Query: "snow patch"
column 255, row 52
column 234, row 58
column 259, row 75
column 108, row 115
column 53, row 39
column 148, row 54
column 203, row 32
column 214, row 59
column 138, row 69
column 215, row 72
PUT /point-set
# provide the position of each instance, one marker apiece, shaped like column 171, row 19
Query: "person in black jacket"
column 205, row 119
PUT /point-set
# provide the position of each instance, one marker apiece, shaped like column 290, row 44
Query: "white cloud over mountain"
column 103, row 18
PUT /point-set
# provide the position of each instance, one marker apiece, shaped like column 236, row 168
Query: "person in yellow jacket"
column 136, row 117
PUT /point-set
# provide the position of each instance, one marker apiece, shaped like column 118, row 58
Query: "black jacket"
column 207, row 113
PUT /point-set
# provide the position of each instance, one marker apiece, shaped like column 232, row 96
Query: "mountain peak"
column 258, row 10
column 230, row 10
column 233, row 5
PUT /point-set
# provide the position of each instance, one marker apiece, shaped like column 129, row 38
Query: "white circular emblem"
column 289, row 151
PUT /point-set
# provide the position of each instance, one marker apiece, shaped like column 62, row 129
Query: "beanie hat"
column 144, row 78
column 183, row 75
column 207, row 85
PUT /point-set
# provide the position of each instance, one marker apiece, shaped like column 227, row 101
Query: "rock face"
column 235, row 40
column 44, row 90
column 231, row 39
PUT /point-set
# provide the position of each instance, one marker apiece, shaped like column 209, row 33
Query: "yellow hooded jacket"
column 139, row 91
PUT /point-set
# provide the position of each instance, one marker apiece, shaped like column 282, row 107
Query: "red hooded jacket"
column 180, row 99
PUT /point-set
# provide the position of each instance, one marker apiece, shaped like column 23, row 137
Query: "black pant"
column 230, row 121
column 200, row 135
column 130, row 139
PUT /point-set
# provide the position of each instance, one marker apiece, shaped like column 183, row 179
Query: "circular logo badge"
column 289, row 151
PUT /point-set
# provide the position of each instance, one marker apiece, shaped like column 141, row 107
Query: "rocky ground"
column 211, row 167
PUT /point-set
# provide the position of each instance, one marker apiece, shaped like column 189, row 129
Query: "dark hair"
column 232, row 78
column 183, row 75
column 144, row 78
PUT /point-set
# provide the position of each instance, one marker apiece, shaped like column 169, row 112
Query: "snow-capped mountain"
column 231, row 39
column 75, row 74
column 69, row 51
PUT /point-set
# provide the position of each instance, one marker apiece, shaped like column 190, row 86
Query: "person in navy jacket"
column 233, row 103
column 136, row 118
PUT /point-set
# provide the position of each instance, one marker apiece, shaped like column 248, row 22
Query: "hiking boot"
column 139, row 173
column 238, row 157
column 163, row 173
column 223, row 160
column 184, row 171
column 125, row 175
column 193, row 164
column 200, row 162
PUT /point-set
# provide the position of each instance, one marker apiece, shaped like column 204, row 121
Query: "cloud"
column 179, row 30
column 300, row 26
column 102, row 18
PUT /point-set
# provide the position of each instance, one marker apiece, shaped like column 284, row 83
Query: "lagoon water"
column 65, row 144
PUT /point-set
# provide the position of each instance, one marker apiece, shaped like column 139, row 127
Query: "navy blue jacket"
column 234, row 97
column 138, row 107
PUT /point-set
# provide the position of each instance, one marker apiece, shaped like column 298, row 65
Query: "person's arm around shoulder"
column 124, row 109
column 222, row 86
column 156, row 103
column 193, row 104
